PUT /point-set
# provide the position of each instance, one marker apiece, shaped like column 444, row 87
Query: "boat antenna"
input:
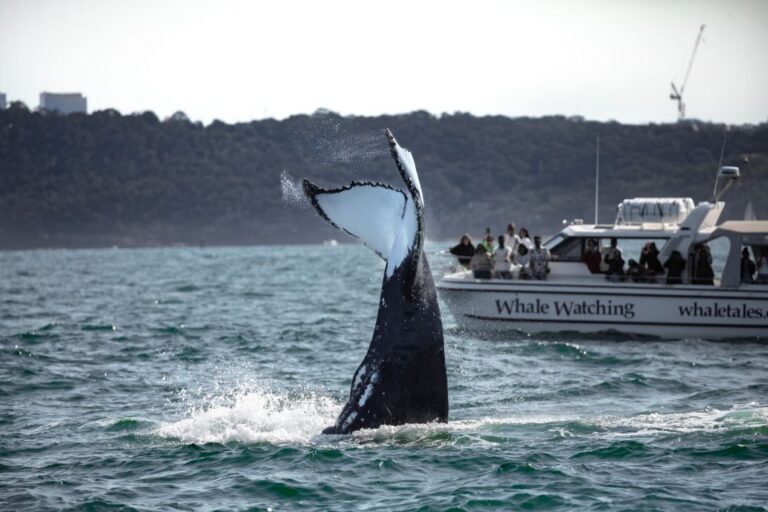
column 720, row 163
column 722, row 148
column 729, row 173
column 597, row 176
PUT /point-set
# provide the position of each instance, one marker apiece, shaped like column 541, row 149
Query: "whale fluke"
column 402, row 378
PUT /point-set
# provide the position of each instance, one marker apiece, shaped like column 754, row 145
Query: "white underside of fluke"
column 404, row 238
column 385, row 219
column 382, row 218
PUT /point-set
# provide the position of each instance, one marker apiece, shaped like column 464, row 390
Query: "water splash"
column 253, row 413
column 292, row 191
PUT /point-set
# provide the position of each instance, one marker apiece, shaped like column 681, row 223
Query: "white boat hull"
column 677, row 311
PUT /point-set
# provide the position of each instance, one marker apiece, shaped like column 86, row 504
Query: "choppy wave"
column 256, row 413
column 159, row 379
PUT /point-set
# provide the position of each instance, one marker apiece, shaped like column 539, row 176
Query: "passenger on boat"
column 675, row 265
column 539, row 260
column 481, row 264
column 614, row 262
column 591, row 256
column 502, row 260
column 702, row 265
column 523, row 259
column 747, row 267
column 487, row 243
column 762, row 270
column 525, row 238
column 464, row 250
column 649, row 262
column 511, row 239
column 635, row 272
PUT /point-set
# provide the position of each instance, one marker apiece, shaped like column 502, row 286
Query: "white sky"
column 242, row 60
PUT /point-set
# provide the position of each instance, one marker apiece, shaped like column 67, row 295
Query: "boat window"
column 759, row 255
column 553, row 242
column 632, row 248
column 707, row 260
column 568, row 249
column 719, row 247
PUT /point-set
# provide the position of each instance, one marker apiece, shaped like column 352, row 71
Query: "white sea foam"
column 254, row 414
column 708, row 420
column 264, row 416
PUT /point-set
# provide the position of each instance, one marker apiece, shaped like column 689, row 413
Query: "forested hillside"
column 133, row 180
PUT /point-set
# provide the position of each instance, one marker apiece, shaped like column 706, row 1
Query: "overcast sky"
column 243, row 60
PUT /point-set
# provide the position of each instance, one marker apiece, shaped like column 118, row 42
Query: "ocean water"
column 200, row 378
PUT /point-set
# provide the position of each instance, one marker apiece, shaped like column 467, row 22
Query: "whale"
column 402, row 378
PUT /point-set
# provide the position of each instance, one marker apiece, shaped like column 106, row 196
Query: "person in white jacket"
column 511, row 239
column 523, row 259
column 502, row 260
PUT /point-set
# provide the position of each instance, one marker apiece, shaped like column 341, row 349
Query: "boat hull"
column 679, row 311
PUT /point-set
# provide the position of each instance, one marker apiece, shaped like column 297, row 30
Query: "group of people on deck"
column 610, row 261
column 517, row 251
column 649, row 269
column 488, row 260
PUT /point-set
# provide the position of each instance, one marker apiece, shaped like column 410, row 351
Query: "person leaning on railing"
column 464, row 250
column 481, row 263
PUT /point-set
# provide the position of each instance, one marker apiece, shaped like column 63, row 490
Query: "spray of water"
column 292, row 191
column 236, row 407
column 355, row 148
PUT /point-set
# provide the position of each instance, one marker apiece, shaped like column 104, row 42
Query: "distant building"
column 3, row 105
column 65, row 103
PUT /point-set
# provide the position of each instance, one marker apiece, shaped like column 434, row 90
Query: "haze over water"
column 199, row 379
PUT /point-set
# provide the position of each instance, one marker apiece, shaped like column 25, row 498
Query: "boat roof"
column 645, row 230
column 742, row 227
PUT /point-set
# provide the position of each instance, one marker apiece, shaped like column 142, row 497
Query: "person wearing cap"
column 539, row 260
column 487, row 244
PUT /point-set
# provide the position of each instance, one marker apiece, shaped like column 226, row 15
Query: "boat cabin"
column 696, row 239
column 735, row 236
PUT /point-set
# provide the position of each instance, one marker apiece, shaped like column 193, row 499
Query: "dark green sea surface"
column 199, row 379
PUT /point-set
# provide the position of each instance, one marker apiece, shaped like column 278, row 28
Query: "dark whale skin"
column 403, row 373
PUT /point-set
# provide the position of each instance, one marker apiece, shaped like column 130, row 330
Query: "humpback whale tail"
column 402, row 377
column 387, row 220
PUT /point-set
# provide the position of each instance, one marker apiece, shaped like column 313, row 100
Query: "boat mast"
column 597, row 177
column 720, row 165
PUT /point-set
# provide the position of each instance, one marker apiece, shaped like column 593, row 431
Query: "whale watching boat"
column 576, row 297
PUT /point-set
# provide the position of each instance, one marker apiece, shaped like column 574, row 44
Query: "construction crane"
column 678, row 94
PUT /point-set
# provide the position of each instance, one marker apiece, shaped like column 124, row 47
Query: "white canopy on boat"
column 742, row 227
